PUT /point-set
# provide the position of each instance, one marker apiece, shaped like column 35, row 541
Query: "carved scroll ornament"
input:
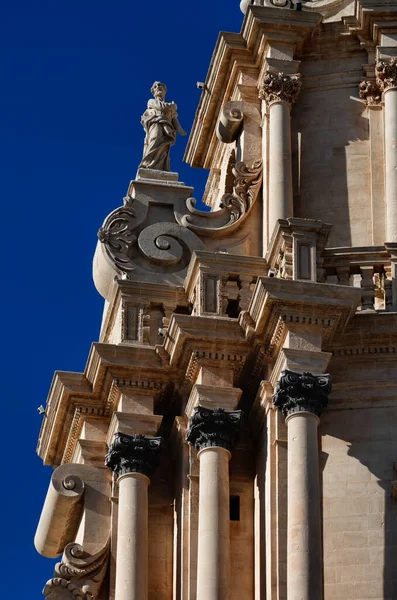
column 230, row 122
column 78, row 576
column 131, row 244
column 235, row 207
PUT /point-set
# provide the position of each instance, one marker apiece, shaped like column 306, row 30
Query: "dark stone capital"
column 134, row 454
column 302, row 392
column 216, row 427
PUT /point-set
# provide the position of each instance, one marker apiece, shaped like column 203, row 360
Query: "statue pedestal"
column 154, row 176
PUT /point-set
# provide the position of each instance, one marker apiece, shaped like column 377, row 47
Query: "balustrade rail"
column 368, row 268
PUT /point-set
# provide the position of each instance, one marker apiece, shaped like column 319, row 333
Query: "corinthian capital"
column 216, row 427
column 370, row 92
column 386, row 74
column 134, row 454
column 278, row 87
column 302, row 392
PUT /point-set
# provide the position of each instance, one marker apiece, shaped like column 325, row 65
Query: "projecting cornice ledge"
column 278, row 304
column 192, row 341
column 72, row 396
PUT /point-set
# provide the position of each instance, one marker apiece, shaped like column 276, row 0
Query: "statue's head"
column 159, row 90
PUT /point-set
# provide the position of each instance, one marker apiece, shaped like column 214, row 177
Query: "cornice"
column 373, row 17
column 237, row 52
column 73, row 396
column 276, row 303
column 230, row 47
column 209, row 338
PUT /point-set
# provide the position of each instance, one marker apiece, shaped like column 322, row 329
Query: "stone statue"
column 160, row 122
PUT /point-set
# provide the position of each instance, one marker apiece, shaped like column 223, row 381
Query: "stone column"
column 133, row 459
column 302, row 398
column 213, row 433
column 386, row 72
column 280, row 92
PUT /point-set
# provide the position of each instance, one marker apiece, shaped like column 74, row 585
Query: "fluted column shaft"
column 133, row 459
column 302, row 397
column 213, row 433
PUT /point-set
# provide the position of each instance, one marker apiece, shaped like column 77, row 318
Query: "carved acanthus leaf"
column 216, row 427
column 134, row 454
column 279, row 87
column 235, row 207
column 370, row 92
column 79, row 575
column 302, row 392
column 386, row 73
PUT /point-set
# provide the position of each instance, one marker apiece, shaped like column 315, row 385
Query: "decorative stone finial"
column 370, row 92
column 216, row 427
column 134, row 454
column 160, row 122
column 386, row 74
column 278, row 87
column 302, row 392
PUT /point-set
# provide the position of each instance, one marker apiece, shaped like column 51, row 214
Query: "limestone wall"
column 359, row 514
column 331, row 147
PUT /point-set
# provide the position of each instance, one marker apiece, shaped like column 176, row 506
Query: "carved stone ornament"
column 160, row 122
column 117, row 236
column 370, row 92
column 133, row 244
column 279, row 87
column 235, row 207
column 302, row 392
column 216, row 427
column 78, row 576
column 134, row 454
column 386, row 74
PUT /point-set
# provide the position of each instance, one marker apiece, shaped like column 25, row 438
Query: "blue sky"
column 75, row 80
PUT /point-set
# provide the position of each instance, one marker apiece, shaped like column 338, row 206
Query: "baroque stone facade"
column 161, row 490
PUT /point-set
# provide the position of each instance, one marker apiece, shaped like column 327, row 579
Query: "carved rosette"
column 386, row 74
column 302, row 392
column 370, row 92
column 79, row 575
column 134, row 454
column 216, row 427
column 279, row 87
